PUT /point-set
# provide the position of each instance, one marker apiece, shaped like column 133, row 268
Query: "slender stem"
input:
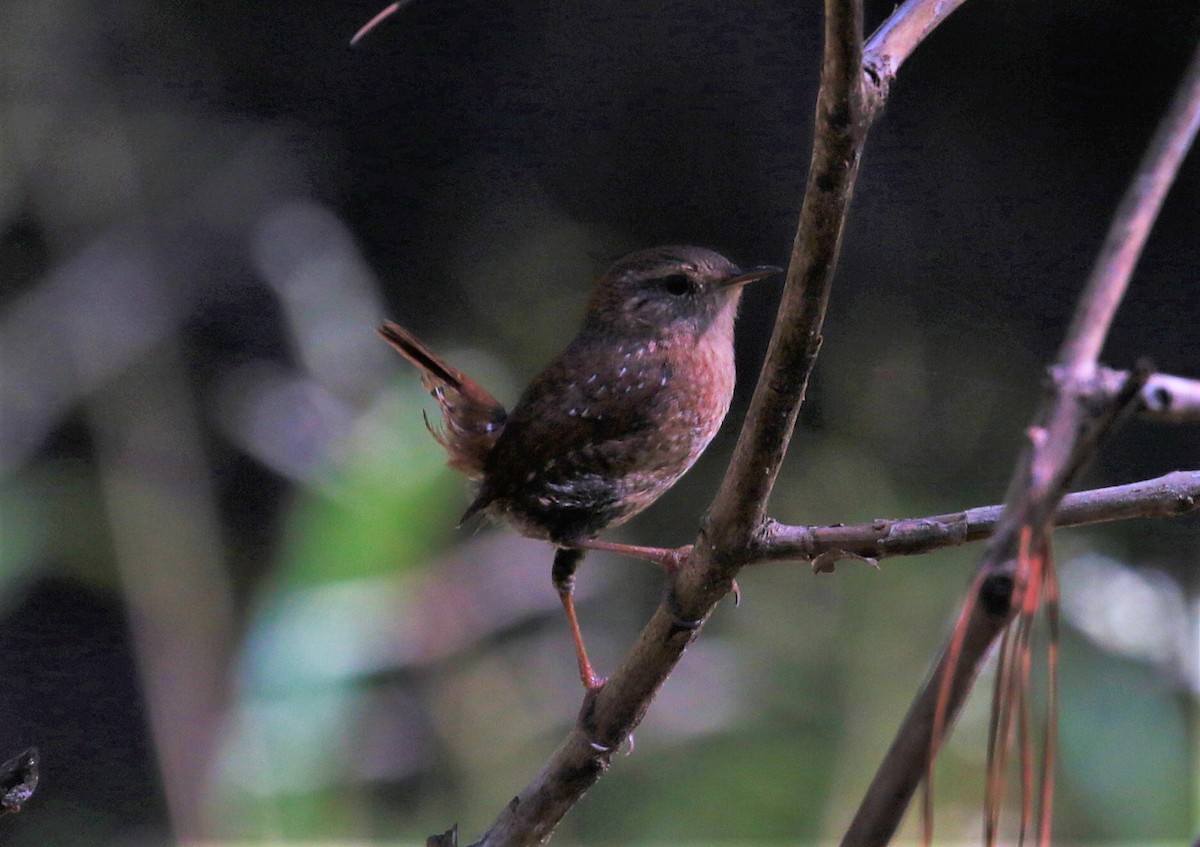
column 846, row 106
column 1131, row 225
column 1164, row 398
column 903, row 31
column 1172, row 494
column 841, row 124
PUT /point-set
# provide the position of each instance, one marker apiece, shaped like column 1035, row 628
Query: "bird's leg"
column 667, row 558
column 566, row 560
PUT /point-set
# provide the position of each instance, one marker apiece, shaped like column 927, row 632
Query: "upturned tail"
column 472, row 418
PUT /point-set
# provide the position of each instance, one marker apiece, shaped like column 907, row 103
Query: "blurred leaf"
column 327, row 620
column 53, row 511
column 380, row 506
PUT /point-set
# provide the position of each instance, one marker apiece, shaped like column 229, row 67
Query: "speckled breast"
column 589, row 447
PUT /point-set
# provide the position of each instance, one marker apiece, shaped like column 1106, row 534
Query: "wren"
column 613, row 421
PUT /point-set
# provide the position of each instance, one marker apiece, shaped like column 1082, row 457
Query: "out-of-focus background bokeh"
column 233, row 599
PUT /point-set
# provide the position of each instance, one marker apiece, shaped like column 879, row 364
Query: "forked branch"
column 1077, row 409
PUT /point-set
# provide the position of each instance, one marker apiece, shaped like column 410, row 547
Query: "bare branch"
column 902, row 32
column 1066, row 412
column 1173, row 494
column 841, row 126
column 1131, row 225
column 846, row 106
column 1066, row 426
column 1164, row 398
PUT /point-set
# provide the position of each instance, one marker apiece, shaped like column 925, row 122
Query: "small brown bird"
column 612, row 422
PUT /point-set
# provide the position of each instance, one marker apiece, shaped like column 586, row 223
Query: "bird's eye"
column 677, row 285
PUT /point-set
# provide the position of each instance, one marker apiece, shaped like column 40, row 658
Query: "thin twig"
column 1131, row 226
column 902, row 32
column 1172, row 494
column 1164, row 398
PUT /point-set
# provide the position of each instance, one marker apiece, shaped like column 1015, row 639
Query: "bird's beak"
column 752, row 275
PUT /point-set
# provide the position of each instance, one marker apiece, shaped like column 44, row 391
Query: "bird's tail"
column 472, row 418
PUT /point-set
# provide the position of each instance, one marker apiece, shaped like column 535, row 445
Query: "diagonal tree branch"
column 848, row 102
column 1063, row 432
column 842, row 120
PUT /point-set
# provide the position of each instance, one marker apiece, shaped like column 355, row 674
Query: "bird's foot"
column 587, row 725
column 585, row 721
column 600, row 748
column 670, row 559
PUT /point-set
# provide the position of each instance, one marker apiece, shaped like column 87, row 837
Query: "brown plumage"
column 614, row 420
column 472, row 417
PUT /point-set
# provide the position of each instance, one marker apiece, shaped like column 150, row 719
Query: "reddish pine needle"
column 943, row 704
column 1050, row 741
column 993, row 794
column 375, row 21
column 1024, row 722
column 1011, row 720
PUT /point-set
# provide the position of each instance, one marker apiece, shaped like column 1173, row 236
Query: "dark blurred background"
column 233, row 601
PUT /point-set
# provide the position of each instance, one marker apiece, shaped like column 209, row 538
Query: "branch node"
column 586, row 724
column 680, row 623
column 1159, row 399
column 878, row 74
column 995, row 595
column 827, row 561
